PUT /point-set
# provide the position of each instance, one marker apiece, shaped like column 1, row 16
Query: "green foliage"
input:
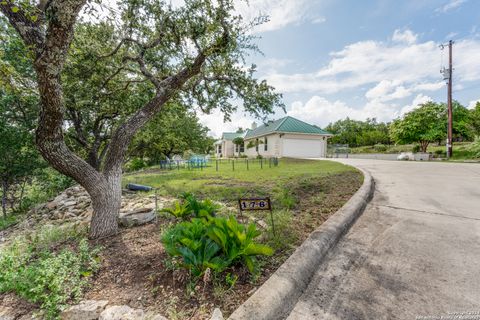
column 286, row 198
column 136, row 164
column 428, row 123
column 475, row 147
column 474, row 119
column 214, row 243
column 423, row 125
column 358, row 133
column 205, row 208
column 380, row 147
column 180, row 211
column 188, row 240
column 191, row 206
column 238, row 141
column 7, row 221
column 38, row 269
column 237, row 241
column 171, row 132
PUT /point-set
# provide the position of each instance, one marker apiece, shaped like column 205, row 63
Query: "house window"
column 265, row 145
column 236, row 148
column 256, row 145
column 219, row 148
column 242, row 148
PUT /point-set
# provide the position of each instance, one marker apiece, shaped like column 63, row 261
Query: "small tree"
column 423, row 125
column 238, row 141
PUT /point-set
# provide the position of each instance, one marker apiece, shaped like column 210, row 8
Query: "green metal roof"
column 232, row 135
column 285, row 125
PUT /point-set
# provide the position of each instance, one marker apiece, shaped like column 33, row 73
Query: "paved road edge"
column 277, row 296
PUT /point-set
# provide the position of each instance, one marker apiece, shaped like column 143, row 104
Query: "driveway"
column 414, row 252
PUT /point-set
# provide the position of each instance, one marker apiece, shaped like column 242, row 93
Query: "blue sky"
column 371, row 58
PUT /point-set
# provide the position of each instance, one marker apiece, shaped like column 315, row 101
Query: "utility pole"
column 450, row 111
column 448, row 75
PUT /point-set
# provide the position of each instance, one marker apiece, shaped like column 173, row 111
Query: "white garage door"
column 302, row 148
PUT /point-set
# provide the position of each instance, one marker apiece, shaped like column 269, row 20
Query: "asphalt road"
column 414, row 252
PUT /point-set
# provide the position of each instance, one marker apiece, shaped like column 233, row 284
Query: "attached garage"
column 285, row 137
column 303, row 148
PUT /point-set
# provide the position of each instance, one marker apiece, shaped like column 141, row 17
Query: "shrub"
column 32, row 270
column 7, row 221
column 380, row 147
column 205, row 208
column 287, row 199
column 416, row 148
column 136, row 164
column 189, row 241
column 180, row 211
column 237, row 241
column 215, row 243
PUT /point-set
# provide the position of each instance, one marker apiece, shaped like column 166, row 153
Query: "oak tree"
column 194, row 53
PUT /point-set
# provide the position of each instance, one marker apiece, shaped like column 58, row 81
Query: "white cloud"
column 387, row 90
column 450, row 5
column 473, row 103
column 215, row 122
column 419, row 99
column 319, row 20
column 405, row 36
column 280, row 12
column 413, row 65
column 320, row 111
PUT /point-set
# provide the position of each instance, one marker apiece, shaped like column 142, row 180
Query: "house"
column 285, row 137
column 225, row 148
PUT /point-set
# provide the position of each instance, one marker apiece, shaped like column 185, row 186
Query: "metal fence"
column 220, row 164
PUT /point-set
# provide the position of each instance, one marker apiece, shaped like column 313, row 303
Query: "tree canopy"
column 155, row 53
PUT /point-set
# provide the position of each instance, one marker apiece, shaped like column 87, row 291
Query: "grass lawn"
column 135, row 269
column 228, row 185
column 304, row 194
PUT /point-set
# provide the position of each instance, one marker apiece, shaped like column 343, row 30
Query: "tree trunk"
column 424, row 146
column 106, row 202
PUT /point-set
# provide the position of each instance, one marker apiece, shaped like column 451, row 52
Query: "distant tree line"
column 423, row 125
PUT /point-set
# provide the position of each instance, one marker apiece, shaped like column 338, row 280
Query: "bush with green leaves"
column 215, row 243
column 189, row 241
column 237, row 241
column 191, row 206
column 380, row 148
column 179, row 211
column 37, row 268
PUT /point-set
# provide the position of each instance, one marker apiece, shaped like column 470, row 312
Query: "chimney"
column 254, row 125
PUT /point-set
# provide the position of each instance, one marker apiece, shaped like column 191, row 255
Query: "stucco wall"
column 274, row 146
column 312, row 145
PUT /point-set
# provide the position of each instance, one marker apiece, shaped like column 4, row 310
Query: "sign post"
column 257, row 204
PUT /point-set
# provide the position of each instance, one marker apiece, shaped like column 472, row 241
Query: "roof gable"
column 232, row 135
column 286, row 125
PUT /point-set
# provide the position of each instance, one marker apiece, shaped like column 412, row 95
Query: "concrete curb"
column 278, row 295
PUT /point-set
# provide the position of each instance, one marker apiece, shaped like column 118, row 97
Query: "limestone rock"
column 121, row 313
column 86, row 310
column 136, row 218
column 153, row 316
column 216, row 315
column 6, row 313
